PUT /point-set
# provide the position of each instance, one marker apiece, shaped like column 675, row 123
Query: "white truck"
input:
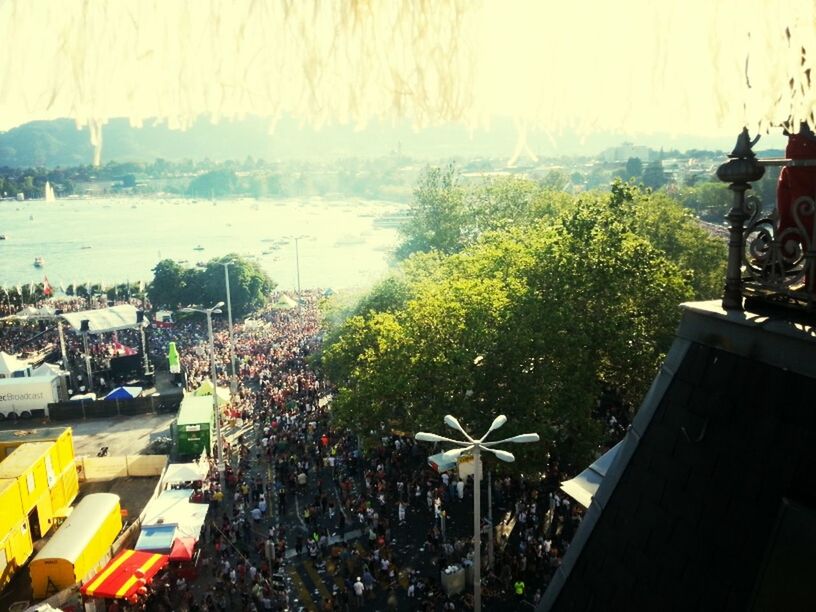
column 28, row 396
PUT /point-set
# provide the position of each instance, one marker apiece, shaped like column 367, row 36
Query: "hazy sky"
column 634, row 67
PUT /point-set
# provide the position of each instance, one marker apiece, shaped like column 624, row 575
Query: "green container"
column 193, row 429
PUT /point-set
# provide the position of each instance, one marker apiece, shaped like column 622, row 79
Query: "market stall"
column 126, row 576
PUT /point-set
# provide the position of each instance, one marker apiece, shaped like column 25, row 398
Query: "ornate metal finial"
column 742, row 166
column 739, row 171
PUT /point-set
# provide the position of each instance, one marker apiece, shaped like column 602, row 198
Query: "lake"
column 119, row 239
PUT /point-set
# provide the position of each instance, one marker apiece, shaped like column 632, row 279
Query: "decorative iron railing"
column 779, row 263
column 769, row 263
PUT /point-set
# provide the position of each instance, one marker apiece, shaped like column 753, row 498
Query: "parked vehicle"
column 28, row 396
column 79, row 547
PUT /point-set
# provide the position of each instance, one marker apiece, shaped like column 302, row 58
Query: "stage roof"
column 104, row 320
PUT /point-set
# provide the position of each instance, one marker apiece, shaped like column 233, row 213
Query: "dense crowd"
column 297, row 490
column 296, row 487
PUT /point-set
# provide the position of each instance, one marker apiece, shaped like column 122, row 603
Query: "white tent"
column 49, row 369
column 206, row 388
column 9, row 364
column 174, row 506
column 30, row 312
column 83, row 396
column 285, row 303
column 104, row 320
column 184, row 472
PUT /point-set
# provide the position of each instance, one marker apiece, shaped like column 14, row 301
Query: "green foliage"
column 437, row 214
column 634, row 168
column 555, row 180
column 675, row 231
column 168, row 286
column 653, row 175
column 531, row 321
column 446, row 217
column 709, row 200
column 214, row 183
column 175, row 286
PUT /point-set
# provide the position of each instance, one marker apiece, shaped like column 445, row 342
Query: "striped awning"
column 124, row 574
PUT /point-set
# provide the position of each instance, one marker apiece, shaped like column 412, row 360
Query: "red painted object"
column 795, row 182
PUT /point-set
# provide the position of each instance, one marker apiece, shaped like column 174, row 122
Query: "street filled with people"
column 318, row 518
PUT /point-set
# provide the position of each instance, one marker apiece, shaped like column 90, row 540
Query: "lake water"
column 342, row 247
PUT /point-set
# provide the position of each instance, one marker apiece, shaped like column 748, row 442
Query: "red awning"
column 183, row 549
column 121, row 577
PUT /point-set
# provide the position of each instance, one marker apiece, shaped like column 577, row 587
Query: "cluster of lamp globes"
column 469, row 444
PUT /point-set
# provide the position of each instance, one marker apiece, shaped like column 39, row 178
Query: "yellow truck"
column 15, row 536
column 80, row 546
column 38, row 483
column 60, row 462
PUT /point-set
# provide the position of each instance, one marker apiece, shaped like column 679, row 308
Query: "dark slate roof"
column 689, row 511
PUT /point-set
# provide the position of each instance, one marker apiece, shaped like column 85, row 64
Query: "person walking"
column 519, row 589
column 359, row 589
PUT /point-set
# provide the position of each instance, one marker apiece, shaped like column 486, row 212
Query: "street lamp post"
column 233, row 379
column 297, row 264
column 297, row 260
column 84, row 329
column 476, row 447
column 219, row 442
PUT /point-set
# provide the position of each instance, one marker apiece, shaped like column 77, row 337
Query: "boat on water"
column 391, row 221
column 85, row 246
column 39, row 262
column 198, row 248
column 349, row 240
column 2, row 236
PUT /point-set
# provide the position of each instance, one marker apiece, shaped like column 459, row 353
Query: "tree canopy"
column 174, row 285
column 530, row 320
column 446, row 216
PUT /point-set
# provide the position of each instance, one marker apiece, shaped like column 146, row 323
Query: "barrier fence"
column 100, row 409
column 121, row 466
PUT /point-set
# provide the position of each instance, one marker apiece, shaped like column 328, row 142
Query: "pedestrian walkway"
column 311, row 583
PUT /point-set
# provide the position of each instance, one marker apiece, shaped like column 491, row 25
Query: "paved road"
column 311, row 581
column 122, row 435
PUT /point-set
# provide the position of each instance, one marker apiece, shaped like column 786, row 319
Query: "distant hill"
column 59, row 143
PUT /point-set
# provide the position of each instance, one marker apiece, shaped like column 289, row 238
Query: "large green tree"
column 709, row 200
column 530, row 321
column 437, row 214
column 174, row 285
column 446, row 216
column 168, row 287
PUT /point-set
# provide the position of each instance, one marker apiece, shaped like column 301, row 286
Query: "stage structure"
column 92, row 322
column 109, row 320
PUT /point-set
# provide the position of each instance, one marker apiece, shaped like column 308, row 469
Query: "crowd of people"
column 377, row 521
column 298, row 491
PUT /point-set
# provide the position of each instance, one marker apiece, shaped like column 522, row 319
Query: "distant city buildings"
column 627, row 151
